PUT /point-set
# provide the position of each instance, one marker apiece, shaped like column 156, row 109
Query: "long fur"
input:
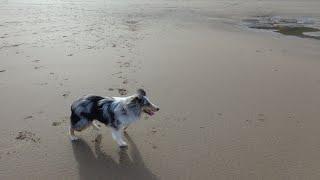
column 115, row 112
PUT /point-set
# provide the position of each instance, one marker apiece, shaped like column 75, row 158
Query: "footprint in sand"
column 122, row 91
column 116, row 73
column 248, row 121
column 28, row 117
column 125, row 64
column 125, row 81
column 66, row 94
column 154, row 130
column 43, row 84
column 37, row 67
column 36, row 61
column 27, row 136
column 261, row 117
column 56, row 123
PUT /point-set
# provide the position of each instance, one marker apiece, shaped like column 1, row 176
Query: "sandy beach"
column 236, row 102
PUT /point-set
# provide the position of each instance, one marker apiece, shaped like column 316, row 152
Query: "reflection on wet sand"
column 102, row 166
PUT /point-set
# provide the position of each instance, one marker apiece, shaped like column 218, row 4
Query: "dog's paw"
column 74, row 138
column 96, row 126
column 123, row 145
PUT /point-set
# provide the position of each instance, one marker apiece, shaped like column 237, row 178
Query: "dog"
column 115, row 112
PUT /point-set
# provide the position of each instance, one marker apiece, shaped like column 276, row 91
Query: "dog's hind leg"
column 117, row 136
column 72, row 135
column 125, row 129
column 95, row 125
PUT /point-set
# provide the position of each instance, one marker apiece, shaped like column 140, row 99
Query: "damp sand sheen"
column 237, row 83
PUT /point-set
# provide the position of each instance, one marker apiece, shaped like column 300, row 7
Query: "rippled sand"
column 236, row 103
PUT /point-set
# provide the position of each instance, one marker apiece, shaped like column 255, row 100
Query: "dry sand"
column 236, row 103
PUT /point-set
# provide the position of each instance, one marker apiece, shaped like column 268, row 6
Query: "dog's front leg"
column 72, row 135
column 117, row 136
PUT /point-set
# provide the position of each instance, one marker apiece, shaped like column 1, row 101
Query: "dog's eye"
column 143, row 101
column 146, row 102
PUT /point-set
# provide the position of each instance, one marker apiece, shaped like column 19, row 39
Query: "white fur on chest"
column 127, row 118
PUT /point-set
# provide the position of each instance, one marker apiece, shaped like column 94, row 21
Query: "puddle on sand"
column 300, row 27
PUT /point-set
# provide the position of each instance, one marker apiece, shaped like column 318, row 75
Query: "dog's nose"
column 157, row 109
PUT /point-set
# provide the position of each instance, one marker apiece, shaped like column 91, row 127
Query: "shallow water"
column 300, row 27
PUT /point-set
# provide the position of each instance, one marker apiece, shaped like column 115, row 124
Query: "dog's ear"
column 141, row 93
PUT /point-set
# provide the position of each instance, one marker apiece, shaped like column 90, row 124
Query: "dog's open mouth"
column 149, row 112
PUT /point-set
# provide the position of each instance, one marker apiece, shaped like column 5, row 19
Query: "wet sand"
column 236, row 103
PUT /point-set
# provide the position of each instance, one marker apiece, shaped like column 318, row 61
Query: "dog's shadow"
column 102, row 166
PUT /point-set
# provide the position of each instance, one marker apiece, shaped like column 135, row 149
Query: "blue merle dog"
column 115, row 112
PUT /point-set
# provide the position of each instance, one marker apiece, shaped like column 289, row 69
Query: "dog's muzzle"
column 151, row 111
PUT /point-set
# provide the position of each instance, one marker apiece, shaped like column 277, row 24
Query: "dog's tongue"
column 151, row 113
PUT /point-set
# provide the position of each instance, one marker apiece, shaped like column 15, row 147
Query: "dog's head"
column 144, row 103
